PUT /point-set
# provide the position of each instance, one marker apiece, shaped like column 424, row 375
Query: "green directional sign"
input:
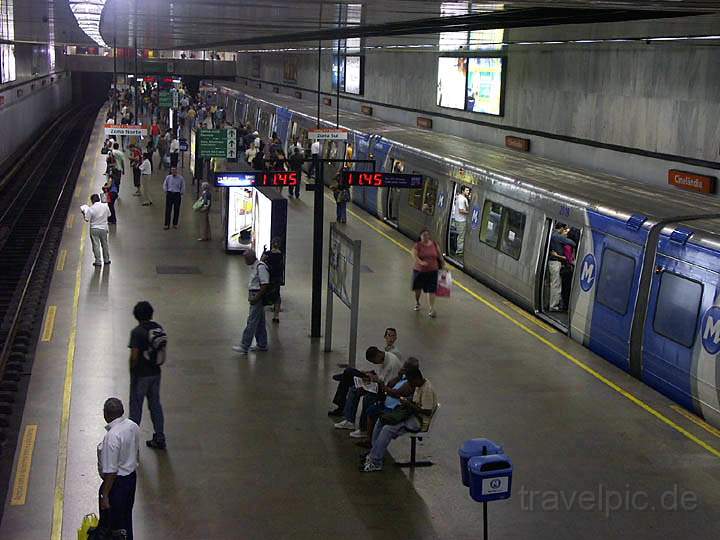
column 218, row 143
column 165, row 98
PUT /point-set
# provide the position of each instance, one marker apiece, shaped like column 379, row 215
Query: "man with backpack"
column 258, row 286
column 148, row 342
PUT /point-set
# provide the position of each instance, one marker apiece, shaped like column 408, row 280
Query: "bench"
column 418, row 436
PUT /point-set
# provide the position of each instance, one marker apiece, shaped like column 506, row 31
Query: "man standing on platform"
column 98, row 214
column 174, row 187
column 258, row 285
column 118, row 456
column 315, row 156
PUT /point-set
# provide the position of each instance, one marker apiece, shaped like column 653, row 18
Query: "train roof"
column 598, row 190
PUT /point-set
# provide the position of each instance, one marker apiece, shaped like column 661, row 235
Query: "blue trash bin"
column 490, row 477
column 472, row 448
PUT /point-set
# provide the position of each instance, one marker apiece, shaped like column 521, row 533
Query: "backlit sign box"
column 698, row 183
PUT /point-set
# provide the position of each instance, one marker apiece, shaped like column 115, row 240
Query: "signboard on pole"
column 218, row 143
column 328, row 134
column 343, row 281
column 165, row 98
column 125, row 129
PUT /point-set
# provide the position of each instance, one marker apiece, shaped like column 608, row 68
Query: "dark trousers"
column 172, row 203
column 111, row 205
column 295, row 190
column 174, row 159
column 344, row 385
column 122, row 499
column 315, row 166
column 136, row 177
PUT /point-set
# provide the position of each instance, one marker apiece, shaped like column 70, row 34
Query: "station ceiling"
column 237, row 24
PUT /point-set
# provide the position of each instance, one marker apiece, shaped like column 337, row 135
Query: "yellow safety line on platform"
column 24, row 464
column 696, row 420
column 579, row 363
column 47, row 333
column 520, row 311
column 70, row 221
column 61, row 469
column 61, row 260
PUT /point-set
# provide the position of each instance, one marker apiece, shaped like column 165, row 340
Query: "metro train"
column 643, row 292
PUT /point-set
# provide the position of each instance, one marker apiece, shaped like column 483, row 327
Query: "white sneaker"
column 358, row 434
column 417, row 307
column 344, row 425
column 239, row 349
column 432, row 314
column 371, row 467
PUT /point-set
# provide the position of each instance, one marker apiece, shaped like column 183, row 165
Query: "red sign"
column 691, row 181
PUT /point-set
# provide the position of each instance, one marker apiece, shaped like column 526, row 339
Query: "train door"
column 457, row 222
column 392, row 197
column 675, row 341
column 558, row 264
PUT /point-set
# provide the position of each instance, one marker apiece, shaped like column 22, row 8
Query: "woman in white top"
column 145, row 173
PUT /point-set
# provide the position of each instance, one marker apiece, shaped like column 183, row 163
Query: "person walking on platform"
column 118, row 457
column 428, row 260
column 174, row 151
column 296, row 163
column 315, row 156
column 174, row 187
column 258, row 284
column 341, row 192
column 135, row 162
column 206, row 197
column 119, row 162
column 145, row 173
column 147, row 345
column 97, row 214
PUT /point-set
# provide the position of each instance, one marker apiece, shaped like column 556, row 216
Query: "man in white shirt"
column 145, row 173
column 388, row 367
column 460, row 210
column 118, row 457
column 419, row 411
column 97, row 215
column 258, row 285
column 174, row 151
column 315, row 155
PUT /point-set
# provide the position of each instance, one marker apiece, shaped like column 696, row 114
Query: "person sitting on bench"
column 410, row 416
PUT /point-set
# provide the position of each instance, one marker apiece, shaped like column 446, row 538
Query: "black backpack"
column 157, row 342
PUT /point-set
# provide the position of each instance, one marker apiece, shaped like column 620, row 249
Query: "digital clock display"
column 257, row 179
column 382, row 179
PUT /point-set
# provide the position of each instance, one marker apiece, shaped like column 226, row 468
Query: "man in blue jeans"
column 258, row 285
column 145, row 361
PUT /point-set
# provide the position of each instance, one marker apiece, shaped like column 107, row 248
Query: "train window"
column 331, row 150
column 491, row 221
column 415, row 198
column 513, row 228
column 429, row 196
column 677, row 309
column 615, row 281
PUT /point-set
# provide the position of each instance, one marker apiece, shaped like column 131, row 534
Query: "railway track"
column 34, row 204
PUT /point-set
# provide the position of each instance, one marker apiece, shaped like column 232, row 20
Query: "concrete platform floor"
column 251, row 451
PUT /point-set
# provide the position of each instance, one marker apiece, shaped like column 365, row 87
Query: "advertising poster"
column 290, row 69
column 353, row 73
column 341, row 267
column 240, row 218
column 262, row 223
column 338, row 64
column 484, row 85
column 193, row 138
column 452, row 76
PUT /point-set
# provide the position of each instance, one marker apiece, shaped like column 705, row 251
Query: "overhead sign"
column 218, row 143
column 124, row 129
column 381, row 179
column 165, row 98
column 257, row 179
column 328, row 134
column 699, row 183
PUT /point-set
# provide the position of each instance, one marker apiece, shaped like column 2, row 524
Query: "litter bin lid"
column 485, row 464
column 474, row 447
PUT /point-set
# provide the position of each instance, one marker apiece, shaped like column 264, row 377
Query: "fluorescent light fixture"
column 88, row 14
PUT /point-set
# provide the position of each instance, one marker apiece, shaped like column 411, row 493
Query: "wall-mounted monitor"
column 485, row 85
column 451, row 82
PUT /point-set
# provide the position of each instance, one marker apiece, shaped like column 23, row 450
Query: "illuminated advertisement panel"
column 240, row 218
column 484, row 85
column 353, row 74
column 452, row 77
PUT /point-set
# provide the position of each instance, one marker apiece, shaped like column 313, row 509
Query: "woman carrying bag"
column 428, row 260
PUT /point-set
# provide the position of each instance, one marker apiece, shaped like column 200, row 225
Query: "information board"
column 166, row 99
column 132, row 130
column 341, row 261
column 218, row 143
